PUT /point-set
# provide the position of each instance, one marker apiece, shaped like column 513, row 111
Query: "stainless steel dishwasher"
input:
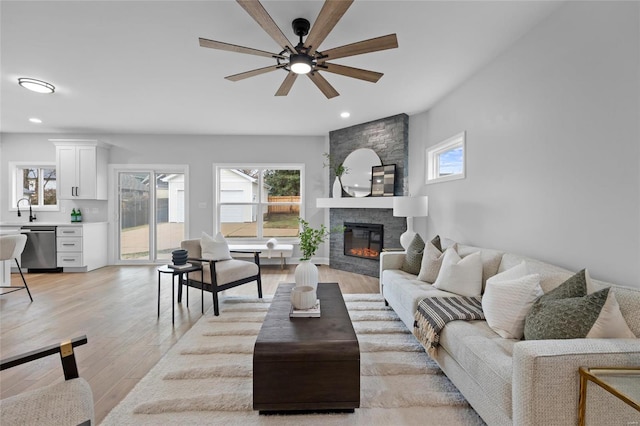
column 40, row 251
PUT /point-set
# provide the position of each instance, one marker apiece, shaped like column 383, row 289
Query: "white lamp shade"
column 410, row 206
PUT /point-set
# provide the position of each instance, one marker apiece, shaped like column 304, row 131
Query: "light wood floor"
column 116, row 307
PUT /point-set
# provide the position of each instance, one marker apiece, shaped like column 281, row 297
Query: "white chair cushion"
column 231, row 270
column 66, row 403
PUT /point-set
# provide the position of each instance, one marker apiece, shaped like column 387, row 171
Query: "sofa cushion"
column 460, row 276
column 484, row 355
column 508, row 298
column 413, row 256
column 403, row 292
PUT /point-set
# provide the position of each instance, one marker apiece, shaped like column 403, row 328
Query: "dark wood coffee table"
column 307, row 364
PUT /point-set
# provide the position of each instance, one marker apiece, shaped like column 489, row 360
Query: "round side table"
column 180, row 273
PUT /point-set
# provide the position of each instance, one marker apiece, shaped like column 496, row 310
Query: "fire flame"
column 364, row 252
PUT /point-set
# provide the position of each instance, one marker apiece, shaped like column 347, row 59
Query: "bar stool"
column 11, row 246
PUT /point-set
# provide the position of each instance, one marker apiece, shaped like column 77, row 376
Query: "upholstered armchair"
column 66, row 403
column 220, row 275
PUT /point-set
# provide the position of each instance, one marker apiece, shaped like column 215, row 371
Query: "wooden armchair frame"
column 64, row 403
column 65, row 349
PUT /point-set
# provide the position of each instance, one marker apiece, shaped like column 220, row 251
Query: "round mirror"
column 357, row 180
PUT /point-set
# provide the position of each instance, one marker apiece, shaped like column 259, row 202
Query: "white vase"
column 337, row 188
column 306, row 273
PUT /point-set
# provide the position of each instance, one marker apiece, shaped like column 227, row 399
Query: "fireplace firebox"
column 363, row 240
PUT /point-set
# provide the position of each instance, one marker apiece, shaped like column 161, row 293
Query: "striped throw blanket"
column 435, row 312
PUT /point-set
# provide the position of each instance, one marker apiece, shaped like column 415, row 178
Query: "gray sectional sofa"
column 521, row 382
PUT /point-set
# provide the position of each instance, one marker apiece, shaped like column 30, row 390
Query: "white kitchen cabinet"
column 82, row 248
column 81, row 170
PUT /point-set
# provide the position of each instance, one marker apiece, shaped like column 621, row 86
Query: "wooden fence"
column 287, row 208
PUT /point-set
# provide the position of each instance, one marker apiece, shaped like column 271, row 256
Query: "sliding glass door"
column 151, row 214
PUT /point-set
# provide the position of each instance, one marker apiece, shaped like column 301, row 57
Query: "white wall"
column 198, row 152
column 553, row 164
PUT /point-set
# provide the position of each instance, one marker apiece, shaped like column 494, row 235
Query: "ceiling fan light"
column 36, row 85
column 300, row 64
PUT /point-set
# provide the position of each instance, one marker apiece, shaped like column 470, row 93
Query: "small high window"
column 446, row 160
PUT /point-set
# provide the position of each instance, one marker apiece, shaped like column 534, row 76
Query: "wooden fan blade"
column 252, row 73
column 258, row 12
column 372, row 45
column 286, row 84
column 235, row 48
column 361, row 74
column 329, row 15
column 323, row 85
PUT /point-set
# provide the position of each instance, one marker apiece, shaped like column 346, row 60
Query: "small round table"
column 180, row 273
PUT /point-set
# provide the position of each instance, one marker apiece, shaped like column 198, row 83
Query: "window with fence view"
column 261, row 202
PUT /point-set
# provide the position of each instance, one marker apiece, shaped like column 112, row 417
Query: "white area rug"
column 206, row 378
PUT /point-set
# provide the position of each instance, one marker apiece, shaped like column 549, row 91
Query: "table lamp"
column 410, row 207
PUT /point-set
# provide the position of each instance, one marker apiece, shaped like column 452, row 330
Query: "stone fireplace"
column 389, row 138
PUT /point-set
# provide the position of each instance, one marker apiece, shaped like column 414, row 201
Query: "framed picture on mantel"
column 383, row 180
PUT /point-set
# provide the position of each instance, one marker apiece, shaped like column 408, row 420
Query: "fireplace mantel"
column 355, row 203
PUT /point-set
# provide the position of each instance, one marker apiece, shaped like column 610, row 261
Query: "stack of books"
column 314, row 312
column 179, row 267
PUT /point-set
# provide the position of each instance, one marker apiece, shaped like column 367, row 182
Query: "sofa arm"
column 546, row 381
column 390, row 260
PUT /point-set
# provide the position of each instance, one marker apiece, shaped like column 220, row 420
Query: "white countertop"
column 8, row 231
column 36, row 223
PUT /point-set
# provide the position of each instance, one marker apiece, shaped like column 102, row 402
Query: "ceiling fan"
column 305, row 58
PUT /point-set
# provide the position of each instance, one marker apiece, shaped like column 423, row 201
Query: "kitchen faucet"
column 32, row 217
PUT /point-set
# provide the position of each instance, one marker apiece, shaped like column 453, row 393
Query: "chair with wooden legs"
column 11, row 246
column 220, row 275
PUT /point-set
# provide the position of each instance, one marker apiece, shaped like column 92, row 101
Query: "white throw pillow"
column 460, row 276
column 508, row 298
column 214, row 248
column 610, row 323
column 431, row 262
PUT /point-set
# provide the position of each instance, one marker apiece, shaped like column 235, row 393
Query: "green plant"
column 310, row 238
column 338, row 169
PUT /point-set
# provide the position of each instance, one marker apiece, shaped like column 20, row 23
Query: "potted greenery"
column 338, row 170
column 306, row 273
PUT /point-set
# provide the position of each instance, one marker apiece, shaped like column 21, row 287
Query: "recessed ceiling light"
column 35, row 120
column 345, row 114
column 36, row 85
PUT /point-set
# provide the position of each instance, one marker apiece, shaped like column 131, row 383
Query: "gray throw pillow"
column 559, row 314
column 568, row 318
column 413, row 257
column 576, row 286
column 436, row 243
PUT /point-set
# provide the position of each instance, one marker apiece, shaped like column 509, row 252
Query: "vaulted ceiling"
column 137, row 67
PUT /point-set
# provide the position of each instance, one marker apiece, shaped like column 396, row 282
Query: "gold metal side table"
column 622, row 382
